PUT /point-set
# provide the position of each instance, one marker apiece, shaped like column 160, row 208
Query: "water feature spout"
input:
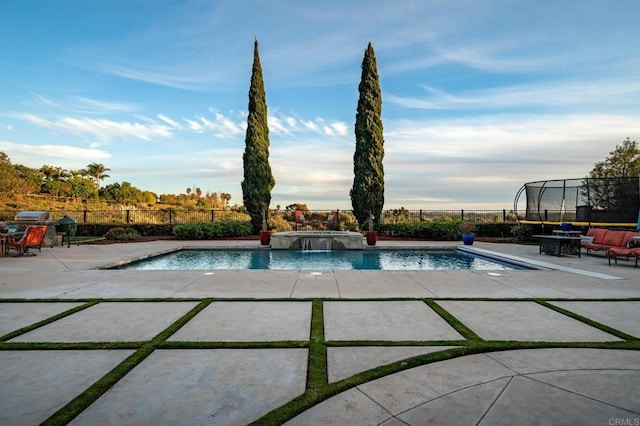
column 315, row 243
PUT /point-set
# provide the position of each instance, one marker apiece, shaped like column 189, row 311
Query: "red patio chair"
column 299, row 219
column 615, row 252
column 32, row 238
column 332, row 219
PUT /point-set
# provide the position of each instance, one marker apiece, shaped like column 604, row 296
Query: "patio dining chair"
column 300, row 220
column 32, row 238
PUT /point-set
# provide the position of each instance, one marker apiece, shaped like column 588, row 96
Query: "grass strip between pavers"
column 49, row 320
column 318, row 389
column 586, row 320
column 67, row 413
column 284, row 344
column 454, row 322
column 309, row 399
column 317, row 376
column 77, row 405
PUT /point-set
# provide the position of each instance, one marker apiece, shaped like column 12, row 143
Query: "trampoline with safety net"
column 583, row 202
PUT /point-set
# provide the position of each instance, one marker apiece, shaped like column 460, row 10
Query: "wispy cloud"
column 229, row 126
column 169, row 121
column 169, row 79
column 549, row 94
column 99, row 106
column 335, row 128
column 277, row 126
column 223, row 126
column 54, row 151
column 102, row 129
column 81, row 105
column 310, row 125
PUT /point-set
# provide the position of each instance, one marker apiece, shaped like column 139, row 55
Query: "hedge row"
column 184, row 231
column 440, row 230
column 444, row 230
column 99, row 229
column 211, row 230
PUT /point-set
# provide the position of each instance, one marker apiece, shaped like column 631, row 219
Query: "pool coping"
column 537, row 264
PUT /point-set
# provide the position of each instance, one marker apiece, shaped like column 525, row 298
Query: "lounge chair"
column 332, row 219
column 630, row 247
column 298, row 217
column 616, row 252
column 32, row 238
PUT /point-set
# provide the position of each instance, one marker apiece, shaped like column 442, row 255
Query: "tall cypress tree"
column 367, row 193
column 258, row 179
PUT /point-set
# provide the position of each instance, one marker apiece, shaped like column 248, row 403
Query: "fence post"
column 504, row 215
column 128, row 219
column 338, row 219
column 213, row 215
column 546, row 215
column 462, row 214
column 170, row 216
column 420, row 215
column 84, row 216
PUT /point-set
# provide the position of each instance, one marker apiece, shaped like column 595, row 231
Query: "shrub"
column 212, row 230
column 468, row 227
column 122, row 234
column 444, row 229
column 521, row 233
column 278, row 223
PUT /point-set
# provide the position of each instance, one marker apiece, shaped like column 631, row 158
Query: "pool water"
column 392, row 260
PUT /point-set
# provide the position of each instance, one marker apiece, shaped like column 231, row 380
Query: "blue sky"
column 479, row 97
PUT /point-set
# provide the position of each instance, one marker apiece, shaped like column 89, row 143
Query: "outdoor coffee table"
column 556, row 245
column 561, row 233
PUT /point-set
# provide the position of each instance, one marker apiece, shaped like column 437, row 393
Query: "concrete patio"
column 228, row 347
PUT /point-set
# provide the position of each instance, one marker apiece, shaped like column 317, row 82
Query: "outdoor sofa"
column 614, row 243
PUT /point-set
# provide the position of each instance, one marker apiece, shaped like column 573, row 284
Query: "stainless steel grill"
column 32, row 218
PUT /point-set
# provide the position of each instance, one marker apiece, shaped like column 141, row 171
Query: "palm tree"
column 97, row 172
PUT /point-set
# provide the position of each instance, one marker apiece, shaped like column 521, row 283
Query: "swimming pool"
column 392, row 260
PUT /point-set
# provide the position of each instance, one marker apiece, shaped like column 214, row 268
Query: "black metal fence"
column 159, row 217
column 174, row 216
column 492, row 216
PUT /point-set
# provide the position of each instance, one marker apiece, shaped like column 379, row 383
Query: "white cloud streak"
column 99, row 106
column 170, row 122
column 551, row 94
column 102, row 129
column 54, row 151
column 232, row 125
column 143, row 73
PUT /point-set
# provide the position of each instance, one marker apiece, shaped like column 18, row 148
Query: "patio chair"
column 616, row 252
column 332, row 219
column 32, row 238
column 299, row 219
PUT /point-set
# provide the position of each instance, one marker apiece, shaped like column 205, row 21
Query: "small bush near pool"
column 122, row 234
column 212, row 230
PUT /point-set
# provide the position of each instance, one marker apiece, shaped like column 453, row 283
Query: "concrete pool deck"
column 585, row 380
